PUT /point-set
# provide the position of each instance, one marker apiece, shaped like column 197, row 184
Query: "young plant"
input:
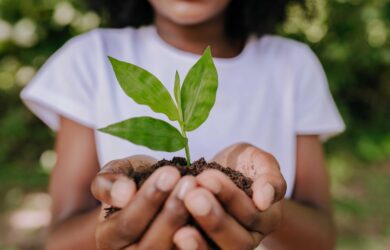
column 194, row 100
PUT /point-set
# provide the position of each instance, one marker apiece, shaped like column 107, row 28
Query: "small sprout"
column 194, row 101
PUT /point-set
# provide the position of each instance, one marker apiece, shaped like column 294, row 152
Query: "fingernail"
column 166, row 182
column 184, row 187
column 268, row 192
column 189, row 244
column 121, row 191
column 199, row 205
column 104, row 183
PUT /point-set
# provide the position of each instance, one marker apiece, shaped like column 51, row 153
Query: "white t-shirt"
column 272, row 91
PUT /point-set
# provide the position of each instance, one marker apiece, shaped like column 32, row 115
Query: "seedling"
column 194, row 101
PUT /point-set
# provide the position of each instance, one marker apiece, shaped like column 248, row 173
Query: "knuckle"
column 216, row 225
column 251, row 220
column 229, row 197
column 118, row 166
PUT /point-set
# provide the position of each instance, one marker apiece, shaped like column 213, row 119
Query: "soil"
column 194, row 169
column 197, row 167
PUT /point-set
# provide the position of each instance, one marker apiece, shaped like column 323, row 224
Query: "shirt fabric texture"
column 274, row 90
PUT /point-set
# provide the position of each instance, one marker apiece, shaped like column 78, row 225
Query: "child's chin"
column 189, row 12
column 189, row 19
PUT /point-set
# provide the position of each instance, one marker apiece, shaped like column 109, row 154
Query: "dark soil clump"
column 197, row 167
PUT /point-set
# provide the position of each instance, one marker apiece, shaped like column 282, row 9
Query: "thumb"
column 113, row 189
column 268, row 189
column 113, row 186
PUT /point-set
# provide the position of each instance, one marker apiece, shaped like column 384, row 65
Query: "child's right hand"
column 130, row 227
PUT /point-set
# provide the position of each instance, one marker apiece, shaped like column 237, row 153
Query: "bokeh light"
column 48, row 160
column 5, row 31
column 376, row 32
column 24, row 75
column 25, row 33
column 64, row 13
column 85, row 22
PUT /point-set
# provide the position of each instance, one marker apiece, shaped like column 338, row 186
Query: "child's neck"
column 195, row 38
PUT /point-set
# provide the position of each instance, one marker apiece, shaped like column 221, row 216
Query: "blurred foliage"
column 30, row 31
column 351, row 38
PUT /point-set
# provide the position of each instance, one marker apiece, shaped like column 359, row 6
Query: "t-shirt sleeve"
column 315, row 110
column 63, row 86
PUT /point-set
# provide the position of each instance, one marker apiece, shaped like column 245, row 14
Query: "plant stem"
column 183, row 131
column 187, row 149
column 187, row 154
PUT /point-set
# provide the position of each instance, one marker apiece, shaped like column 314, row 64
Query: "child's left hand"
column 228, row 216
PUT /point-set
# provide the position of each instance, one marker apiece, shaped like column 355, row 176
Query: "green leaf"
column 177, row 89
column 177, row 96
column 144, row 88
column 149, row 132
column 198, row 92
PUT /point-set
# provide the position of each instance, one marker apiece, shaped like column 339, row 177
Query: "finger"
column 173, row 216
column 112, row 171
column 248, row 159
column 238, row 204
column 102, row 183
column 189, row 238
column 223, row 229
column 122, row 191
column 259, row 165
column 267, row 189
column 126, row 226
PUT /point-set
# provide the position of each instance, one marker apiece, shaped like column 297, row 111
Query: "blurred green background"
column 352, row 40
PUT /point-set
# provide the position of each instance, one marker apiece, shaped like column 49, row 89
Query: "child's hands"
column 225, row 213
column 130, row 227
column 228, row 216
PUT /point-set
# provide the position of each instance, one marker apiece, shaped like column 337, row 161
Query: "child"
column 272, row 94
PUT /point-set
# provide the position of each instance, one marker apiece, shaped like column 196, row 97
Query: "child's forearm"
column 302, row 227
column 77, row 232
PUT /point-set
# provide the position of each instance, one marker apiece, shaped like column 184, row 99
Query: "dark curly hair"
column 244, row 17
